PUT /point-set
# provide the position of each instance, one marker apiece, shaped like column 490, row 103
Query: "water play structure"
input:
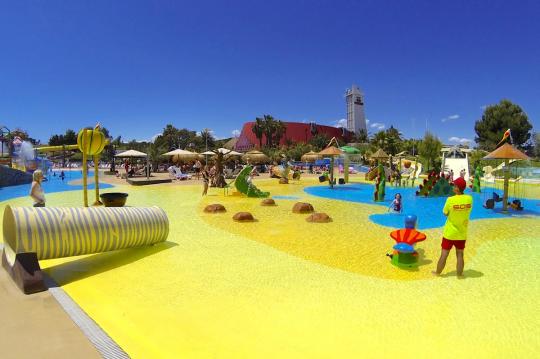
column 476, row 179
column 243, row 186
column 404, row 254
column 331, row 151
column 380, row 184
column 455, row 160
column 435, row 185
column 506, row 152
column 32, row 234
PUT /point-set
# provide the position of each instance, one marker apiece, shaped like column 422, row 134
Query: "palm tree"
column 269, row 129
column 258, row 129
column 279, row 130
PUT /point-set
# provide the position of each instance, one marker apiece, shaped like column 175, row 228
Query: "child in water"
column 396, row 204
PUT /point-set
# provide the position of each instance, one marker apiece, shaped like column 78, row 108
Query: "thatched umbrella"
column 380, row 155
column 331, row 151
column 182, row 155
column 506, row 152
column 310, row 157
column 255, row 157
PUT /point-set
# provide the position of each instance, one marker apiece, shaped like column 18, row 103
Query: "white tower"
column 356, row 119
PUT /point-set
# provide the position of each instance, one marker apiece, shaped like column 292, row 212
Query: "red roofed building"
column 296, row 132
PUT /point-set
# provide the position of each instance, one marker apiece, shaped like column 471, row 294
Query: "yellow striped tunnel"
column 62, row 232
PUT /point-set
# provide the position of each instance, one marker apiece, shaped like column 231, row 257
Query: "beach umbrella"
column 131, row 153
column 181, row 155
column 331, row 151
column 208, row 153
column 506, row 152
column 234, row 153
column 310, row 157
column 255, row 157
column 380, row 155
column 136, row 154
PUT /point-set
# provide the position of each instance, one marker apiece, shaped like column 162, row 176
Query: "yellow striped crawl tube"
column 56, row 232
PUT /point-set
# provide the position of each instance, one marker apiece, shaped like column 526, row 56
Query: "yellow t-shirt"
column 458, row 210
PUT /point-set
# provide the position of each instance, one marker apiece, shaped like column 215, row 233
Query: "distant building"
column 296, row 132
column 356, row 119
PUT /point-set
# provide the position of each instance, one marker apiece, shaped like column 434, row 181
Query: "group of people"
column 457, row 209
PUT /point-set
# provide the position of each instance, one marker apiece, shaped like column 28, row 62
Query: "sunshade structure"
column 234, row 153
column 506, row 152
column 255, row 157
column 136, row 154
column 131, row 153
column 310, row 157
column 380, row 155
column 178, row 155
column 331, row 151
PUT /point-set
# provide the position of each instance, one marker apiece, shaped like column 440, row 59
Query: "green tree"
column 430, row 149
column 258, row 129
column 411, row 146
column 361, row 136
column 393, row 141
column 207, row 139
column 319, row 141
column 269, row 127
column 279, row 130
column 497, row 119
column 379, row 140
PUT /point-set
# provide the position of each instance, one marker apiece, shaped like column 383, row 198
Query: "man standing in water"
column 457, row 209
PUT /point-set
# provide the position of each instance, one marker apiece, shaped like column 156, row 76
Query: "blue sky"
column 135, row 66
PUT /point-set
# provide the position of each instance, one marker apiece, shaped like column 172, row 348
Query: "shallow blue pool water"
column 52, row 185
column 428, row 210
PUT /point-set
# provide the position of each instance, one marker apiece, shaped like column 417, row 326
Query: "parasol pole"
column 346, row 169
column 506, row 181
column 332, row 172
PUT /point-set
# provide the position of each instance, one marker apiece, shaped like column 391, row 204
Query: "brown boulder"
column 268, row 202
column 215, row 208
column 243, row 217
column 283, row 180
column 302, row 207
column 319, row 218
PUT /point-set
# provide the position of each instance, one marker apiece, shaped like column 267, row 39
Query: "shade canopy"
column 331, row 151
column 508, row 152
column 180, row 152
column 208, row 153
column 380, row 155
column 310, row 157
column 350, row 150
column 255, row 157
column 131, row 153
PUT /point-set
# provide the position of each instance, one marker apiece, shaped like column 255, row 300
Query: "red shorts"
column 448, row 244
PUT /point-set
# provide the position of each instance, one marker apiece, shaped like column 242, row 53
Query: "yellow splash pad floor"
column 282, row 287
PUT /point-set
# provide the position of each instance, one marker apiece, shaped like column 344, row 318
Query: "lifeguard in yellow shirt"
column 457, row 209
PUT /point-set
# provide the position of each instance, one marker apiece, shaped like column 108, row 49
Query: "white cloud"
column 155, row 136
column 451, row 117
column 378, row 125
column 461, row 140
column 340, row 123
column 367, row 121
column 483, row 107
column 235, row 133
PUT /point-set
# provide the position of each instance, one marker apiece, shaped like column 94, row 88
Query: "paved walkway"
column 36, row 326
